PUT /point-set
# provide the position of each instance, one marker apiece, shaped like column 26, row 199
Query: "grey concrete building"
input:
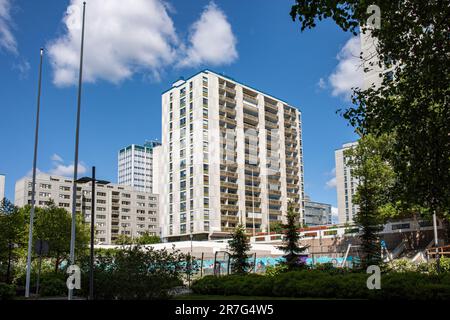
column 119, row 209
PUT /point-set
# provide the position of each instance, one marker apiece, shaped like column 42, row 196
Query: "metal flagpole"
column 75, row 169
column 33, row 186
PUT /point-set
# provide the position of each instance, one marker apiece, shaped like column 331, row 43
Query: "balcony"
column 224, row 87
column 227, row 99
column 250, row 168
column 230, row 185
column 229, row 174
column 274, row 202
column 250, row 99
column 231, row 196
column 229, row 207
column 251, row 119
column 268, row 107
column 248, row 177
column 275, row 212
column 274, row 192
column 228, row 120
column 229, row 218
column 252, row 160
column 291, row 186
column 270, row 125
column 255, row 189
column 250, row 209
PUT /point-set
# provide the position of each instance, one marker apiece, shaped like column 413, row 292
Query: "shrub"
column 272, row 271
column 135, row 273
column 52, row 284
column 7, row 291
column 324, row 284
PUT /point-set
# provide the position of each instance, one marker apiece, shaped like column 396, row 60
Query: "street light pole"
column 253, row 204
column 436, row 242
column 33, row 183
column 75, row 168
column 94, row 181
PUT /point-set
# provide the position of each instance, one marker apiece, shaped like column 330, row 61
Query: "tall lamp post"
column 33, row 184
column 75, row 165
column 93, row 182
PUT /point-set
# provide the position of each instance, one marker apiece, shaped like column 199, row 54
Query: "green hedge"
column 321, row 284
column 7, row 291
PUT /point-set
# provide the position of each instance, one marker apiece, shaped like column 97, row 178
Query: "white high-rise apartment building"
column 373, row 76
column 2, row 187
column 230, row 154
column 346, row 186
column 119, row 209
column 135, row 166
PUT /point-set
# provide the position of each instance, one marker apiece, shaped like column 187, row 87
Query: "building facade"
column 2, row 187
column 119, row 209
column 135, row 166
column 230, row 154
column 316, row 213
column 346, row 185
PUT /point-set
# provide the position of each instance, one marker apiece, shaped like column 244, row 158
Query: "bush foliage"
column 331, row 285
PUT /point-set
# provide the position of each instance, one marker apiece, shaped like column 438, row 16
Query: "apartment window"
column 206, row 191
column 182, row 228
column 45, row 186
column 206, row 202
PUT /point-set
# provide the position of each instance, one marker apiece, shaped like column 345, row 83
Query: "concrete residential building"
column 2, row 187
column 317, row 213
column 119, row 209
column 345, row 186
column 135, row 166
column 230, row 153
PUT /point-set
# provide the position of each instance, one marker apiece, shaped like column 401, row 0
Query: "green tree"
column 147, row 238
column 276, row 226
column 239, row 246
column 413, row 105
column 368, row 162
column 123, row 239
column 291, row 241
column 53, row 224
column 12, row 236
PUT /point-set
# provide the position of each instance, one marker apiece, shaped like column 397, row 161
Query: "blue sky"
column 135, row 53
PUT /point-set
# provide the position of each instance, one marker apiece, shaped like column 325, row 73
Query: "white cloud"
column 349, row 72
column 211, row 39
column 67, row 171
column 121, row 38
column 7, row 39
column 55, row 157
column 334, row 215
column 330, row 184
column 322, row 83
column 23, row 68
